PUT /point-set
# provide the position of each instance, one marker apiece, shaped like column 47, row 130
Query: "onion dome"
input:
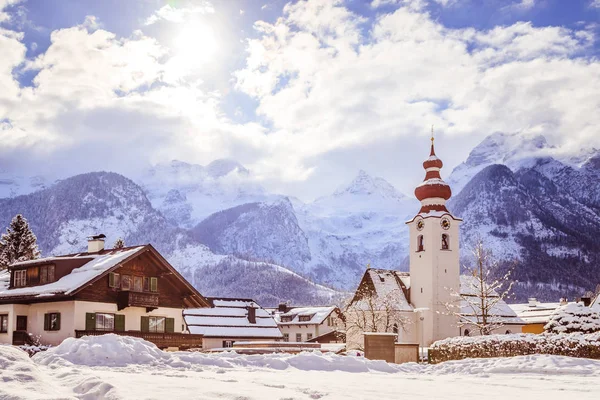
column 433, row 191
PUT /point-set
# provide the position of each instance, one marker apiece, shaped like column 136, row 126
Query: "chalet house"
column 132, row 291
column 230, row 320
column 304, row 324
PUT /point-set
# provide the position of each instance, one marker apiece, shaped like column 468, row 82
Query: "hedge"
column 572, row 345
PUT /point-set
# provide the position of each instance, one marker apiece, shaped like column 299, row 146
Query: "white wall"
column 72, row 318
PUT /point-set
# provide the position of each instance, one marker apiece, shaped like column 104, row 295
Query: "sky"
column 302, row 93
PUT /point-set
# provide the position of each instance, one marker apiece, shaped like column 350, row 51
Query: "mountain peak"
column 500, row 148
column 366, row 185
column 224, row 166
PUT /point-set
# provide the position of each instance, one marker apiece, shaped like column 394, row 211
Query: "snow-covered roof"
column 388, row 287
column 96, row 265
column 317, row 315
column 595, row 305
column 500, row 311
column 534, row 312
column 228, row 318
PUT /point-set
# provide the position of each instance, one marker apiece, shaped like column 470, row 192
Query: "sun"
column 196, row 43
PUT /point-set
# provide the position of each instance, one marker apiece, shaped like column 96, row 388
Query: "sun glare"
column 196, row 43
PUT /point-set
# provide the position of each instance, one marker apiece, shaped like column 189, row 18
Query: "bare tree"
column 368, row 312
column 482, row 293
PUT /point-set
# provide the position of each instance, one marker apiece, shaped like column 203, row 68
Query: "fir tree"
column 19, row 243
column 119, row 244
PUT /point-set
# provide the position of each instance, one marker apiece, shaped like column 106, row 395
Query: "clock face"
column 420, row 225
column 445, row 223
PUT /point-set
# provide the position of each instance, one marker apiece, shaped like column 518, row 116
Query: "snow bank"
column 573, row 317
column 105, row 350
column 119, row 351
column 19, row 375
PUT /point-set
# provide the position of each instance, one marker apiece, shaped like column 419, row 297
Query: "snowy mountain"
column 14, row 185
column 63, row 215
column 188, row 193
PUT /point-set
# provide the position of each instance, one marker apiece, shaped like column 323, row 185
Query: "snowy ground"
column 109, row 367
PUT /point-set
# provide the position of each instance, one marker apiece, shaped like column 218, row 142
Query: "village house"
column 230, row 320
column 534, row 314
column 417, row 306
column 306, row 324
column 132, row 291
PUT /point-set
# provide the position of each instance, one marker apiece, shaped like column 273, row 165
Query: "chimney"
column 252, row 314
column 563, row 301
column 586, row 301
column 283, row 308
column 532, row 302
column 96, row 243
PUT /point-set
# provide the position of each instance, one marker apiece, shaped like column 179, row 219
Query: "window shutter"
column 58, row 321
column 154, row 284
column 170, row 325
column 90, row 321
column 145, row 327
column 46, row 322
column 111, row 280
column 119, row 323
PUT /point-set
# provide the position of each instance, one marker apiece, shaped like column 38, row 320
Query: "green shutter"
column 145, row 324
column 154, row 284
column 119, row 323
column 170, row 325
column 46, row 322
column 90, row 321
column 58, row 321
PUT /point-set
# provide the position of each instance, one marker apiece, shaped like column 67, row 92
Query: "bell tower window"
column 420, row 243
column 445, row 242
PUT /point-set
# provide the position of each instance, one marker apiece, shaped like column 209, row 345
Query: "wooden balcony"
column 183, row 341
column 137, row 299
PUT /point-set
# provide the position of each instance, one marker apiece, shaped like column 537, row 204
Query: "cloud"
column 595, row 4
column 334, row 92
column 173, row 14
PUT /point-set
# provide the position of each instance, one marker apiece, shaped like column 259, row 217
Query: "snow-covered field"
column 111, row 367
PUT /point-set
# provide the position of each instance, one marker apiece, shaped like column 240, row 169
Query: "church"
column 423, row 305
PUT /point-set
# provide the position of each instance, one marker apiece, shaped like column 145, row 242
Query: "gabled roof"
column 500, row 311
column 92, row 267
column 228, row 318
column 534, row 312
column 317, row 315
column 384, row 284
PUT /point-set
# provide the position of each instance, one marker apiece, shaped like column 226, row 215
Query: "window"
column 154, row 284
column 508, row 332
column 228, row 343
column 157, row 324
column 287, row 318
column 420, row 243
column 3, row 323
column 125, row 282
column 146, row 284
column 286, row 337
column 395, row 329
column 305, row 318
column 46, row 274
column 309, row 336
column 298, row 337
column 52, row 322
column 467, row 332
column 138, row 283
column 114, row 280
column 445, row 242
column 20, row 278
column 105, row 322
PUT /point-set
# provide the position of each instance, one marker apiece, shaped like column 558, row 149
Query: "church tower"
column 434, row 257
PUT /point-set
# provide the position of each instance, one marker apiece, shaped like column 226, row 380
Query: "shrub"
column 573, row 317
column 458, row 348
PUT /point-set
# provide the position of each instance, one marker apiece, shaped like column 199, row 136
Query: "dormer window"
column 305, row 318
column 46, row 274
column 20, row 278
column 287, row 318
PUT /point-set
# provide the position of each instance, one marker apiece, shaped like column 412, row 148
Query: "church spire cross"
column 432, row 139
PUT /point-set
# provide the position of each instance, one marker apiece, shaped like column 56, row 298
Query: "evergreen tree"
column 119, row 244
column 19, row 243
